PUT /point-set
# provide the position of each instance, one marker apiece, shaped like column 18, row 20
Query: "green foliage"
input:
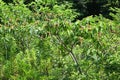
column 40, row 41
column 115, row 13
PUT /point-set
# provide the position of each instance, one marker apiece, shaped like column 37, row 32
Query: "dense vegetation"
column 45, row 40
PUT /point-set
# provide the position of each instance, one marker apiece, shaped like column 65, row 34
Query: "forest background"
column 59, row 39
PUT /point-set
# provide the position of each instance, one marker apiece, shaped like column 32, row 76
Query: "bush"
column 46, row 43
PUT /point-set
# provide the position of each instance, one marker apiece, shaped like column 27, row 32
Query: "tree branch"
column 71, row 54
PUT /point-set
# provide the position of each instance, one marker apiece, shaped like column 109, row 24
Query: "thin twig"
column 71, row 54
